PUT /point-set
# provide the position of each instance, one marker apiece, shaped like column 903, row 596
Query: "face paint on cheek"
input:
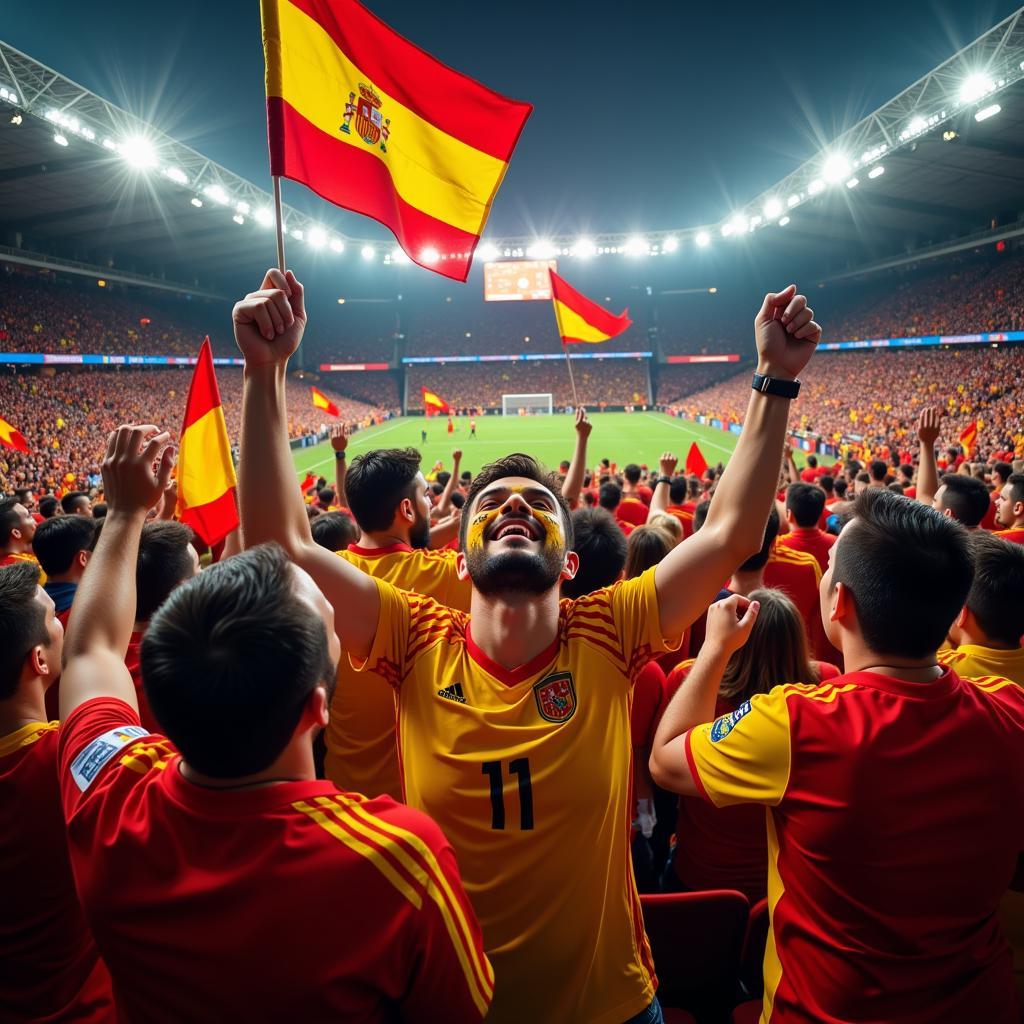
column 552, row 529
column 477, row 528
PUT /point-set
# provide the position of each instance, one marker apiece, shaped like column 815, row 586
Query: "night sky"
column 648, row 116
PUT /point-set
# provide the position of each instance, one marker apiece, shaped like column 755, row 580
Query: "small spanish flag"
column 969, row 438
column 434, row 404
column 321, row 401
column 373, row 124
column 11, row 438
column 579, row 319
column 206, row 475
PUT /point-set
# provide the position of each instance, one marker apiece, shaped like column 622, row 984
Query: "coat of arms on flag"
column 371, row 125
column 556, row 697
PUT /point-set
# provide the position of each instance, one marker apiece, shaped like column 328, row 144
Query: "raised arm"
column 690, row 576
column 573, row 483
column 927, row 470
column 444, row 503
column 268, row 328
column 792, row 473
column 339, row 442
column 104, row 607
column 667, row 465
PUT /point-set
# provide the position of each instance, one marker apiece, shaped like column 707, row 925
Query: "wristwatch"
column 775, row 386
column 339, row 455
column 663, row 480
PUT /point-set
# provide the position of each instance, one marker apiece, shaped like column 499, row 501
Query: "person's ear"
column 460, row 566
column 570, row 566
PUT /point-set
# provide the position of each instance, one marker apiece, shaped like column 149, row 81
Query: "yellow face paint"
column 477, row 528
column 552, row 528
column 549, row 522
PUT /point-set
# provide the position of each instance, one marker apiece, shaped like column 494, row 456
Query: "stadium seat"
column 696, row 938
column 746, row 1013
column 752, row 959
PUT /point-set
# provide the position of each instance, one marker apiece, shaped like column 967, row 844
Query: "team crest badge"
column 556, row 697
column 721, row 727
column 371, row 125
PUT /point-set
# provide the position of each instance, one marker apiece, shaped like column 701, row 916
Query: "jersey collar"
column 941, row 687
column 510, row 676
column 391, row 549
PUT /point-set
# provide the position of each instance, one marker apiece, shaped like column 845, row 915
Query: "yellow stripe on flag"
column 572, row 325
column 205, row 471
column 431, row 170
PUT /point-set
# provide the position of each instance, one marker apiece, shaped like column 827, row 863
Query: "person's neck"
column 912, row 670
column 512, row 629
column 294, row 764
column 15, row 547
column 64, row 577
column 744, row 583
column 24, row 708
column 383, row 538
column 981, row 640
column 797, row 528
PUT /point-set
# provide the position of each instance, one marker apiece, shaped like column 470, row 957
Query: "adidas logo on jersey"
column 453, row 693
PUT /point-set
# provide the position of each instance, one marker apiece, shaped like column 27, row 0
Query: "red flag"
column 11, row 438
column 969, row 438
column 307, row 483
column 321, row 401
column 579, row 319
column 695, row 461
column 433, row 404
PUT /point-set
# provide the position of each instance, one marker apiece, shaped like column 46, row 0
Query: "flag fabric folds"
column 433, row 404
column 321, row 401
column 969, row 438
column 373, row 124
column 309, row 481
column 11, row 438
column 206, row 475
column 696, row 464
column 579, row 319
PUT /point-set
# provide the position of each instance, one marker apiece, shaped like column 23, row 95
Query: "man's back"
column 811, row 540
column 798, row 574
column 285, row 901
column 887, row 856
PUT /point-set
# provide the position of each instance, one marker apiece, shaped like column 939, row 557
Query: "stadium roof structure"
column 938, row 167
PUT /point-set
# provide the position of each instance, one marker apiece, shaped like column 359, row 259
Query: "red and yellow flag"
column 206, row 475
column 969, row 438
column 373, row 124
column 433, row 404
column 11, row 438
column 579, row 319
column 321, row 401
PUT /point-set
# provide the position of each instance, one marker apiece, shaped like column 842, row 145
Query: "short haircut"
column 48, row 505
column 906, row 470
column 645, row 546
column 325, row 495
column 828, row 484
column 1003, row 471
column 334, row 531
column 632, row 473
column 812, row 461
column 529, row 468
column 996, row 598
column 908, row 570
column 806, row 502
column 966, row 497
column 99, row 510
column 700, row 513
column 458, row 499
column 771, row 531
column 601, row 546
column 59, row 539
column 878, row 470
column 677, row 490
column 9, row 518
column 164, row 562
column 377, row 482
column 1016, row 482
column 896, row 488
column 841, row 488
column 610, row 496
column 863, row 478
column 68, row 501
column 22, row 622
column 229, row 661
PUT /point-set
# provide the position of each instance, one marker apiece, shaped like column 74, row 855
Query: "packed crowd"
column 676, row 382
column 429, row 738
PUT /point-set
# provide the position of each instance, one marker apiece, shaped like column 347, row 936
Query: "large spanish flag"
column 373, row 124
column 433, row 404
column 321, row 401
column 969, row 438
column 11, row 438
column 206, row 475
column 579, row 319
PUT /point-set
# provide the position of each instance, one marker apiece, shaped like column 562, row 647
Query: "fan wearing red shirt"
column 197, row 870
column 62, row 545
column 1010, row 509
column 50, row 969
column 879, row 842
column 805, row 504
column 670, row 495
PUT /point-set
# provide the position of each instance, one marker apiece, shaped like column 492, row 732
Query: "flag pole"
column 280, row 223
column 572, row 379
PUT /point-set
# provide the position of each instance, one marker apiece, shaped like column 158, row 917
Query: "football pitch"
column 638, row 437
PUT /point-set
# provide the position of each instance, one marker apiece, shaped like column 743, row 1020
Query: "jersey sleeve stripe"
column 418, row 858
column 589, row 638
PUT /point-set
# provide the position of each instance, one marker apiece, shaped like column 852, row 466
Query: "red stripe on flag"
column 215, row 520
column 595, row 315
column 341, row 173
column 203, row 394
column 448, row 99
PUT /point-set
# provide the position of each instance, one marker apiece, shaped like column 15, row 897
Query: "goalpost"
column 526, row 405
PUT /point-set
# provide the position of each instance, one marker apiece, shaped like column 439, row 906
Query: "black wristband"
column 339, row 455
column 775, row 386
column 664, row 480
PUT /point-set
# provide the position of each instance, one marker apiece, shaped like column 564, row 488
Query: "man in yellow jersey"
column 514, row 719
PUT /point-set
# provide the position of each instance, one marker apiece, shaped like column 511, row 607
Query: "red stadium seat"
column 747, row 1013
column 752, row 959
column 696, row 938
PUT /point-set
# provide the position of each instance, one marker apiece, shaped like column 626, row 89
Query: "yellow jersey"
column 361, row 752
column 527, row 771
column 972, row 661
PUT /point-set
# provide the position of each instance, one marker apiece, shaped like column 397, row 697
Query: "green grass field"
column 622, row 437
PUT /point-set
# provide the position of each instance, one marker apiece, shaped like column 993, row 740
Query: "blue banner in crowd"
column 931, row 340
column 524, row 357
column 50, row 359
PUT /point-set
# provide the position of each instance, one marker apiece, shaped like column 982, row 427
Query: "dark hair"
column 906, row 470
column 1016, row 482
column 229, row 661
column 457, row 498
column 58, row 540
column 609, row 496
column 1003, row 470
column 68, row 501
column 9, row 518
column 99, row 510
column 895, row 487
column 601, row 546
column 164, row 562
column 645, row 546
column 48, row 505
column 828, row 484
column 812, row 461
column 841, row 488
column 334, row 531
column 376, row 484
column 677, row 490
column 771, row 531
column 693, row 486
column 22, row 622
column 966, row 497
column 806, row 502
column 632, row 473
column 907, row 568
column 700, row 513
column 529, row 468
column 863, row 478
column 997, row 593
column 878, row 470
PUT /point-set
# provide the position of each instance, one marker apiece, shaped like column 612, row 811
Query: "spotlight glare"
column 177, row 175
column 398, row 255
column 584, row 248
column 487, row 252
column 138, row 152
column 784, row 221
column 298, row 234
column 793, row 200
column 242, row 208
column 975, row 86
column 772, row 208
column 341, row 302
column 703, row 239
column 815, row 186
column 670, row 244
column 429, row 255
column 264, row 217
column 59, row 139
column 853, row 182
column 337, row 245
column 540, row 250
column 367, row 252
column 217, row 194
column 877, row 171
column 317, row 237
column 238, row 218
column 635, row 246
column 196, row 202
column 738, row 224
column 986, row 112
column 835, row 168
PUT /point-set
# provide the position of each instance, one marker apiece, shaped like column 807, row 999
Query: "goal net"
column 526, row 405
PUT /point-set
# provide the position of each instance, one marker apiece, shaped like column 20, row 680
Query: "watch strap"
column 775, row 386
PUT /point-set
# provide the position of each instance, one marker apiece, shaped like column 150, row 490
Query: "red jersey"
column 293, row 901
column 50, row 968
column 131, row 662
column 685, row 517
column 633, row 511
column 887, row 857
column 989, row 522
column 1014, row 534
column 648, row 691
column 799, row 575
column 813, row 541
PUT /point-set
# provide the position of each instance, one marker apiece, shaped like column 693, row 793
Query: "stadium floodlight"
column 815, row 186
column 917, row 125
column 584, row 248
column 794, row 200
column 703, row 239
column 138, row 152
column 298, row 234
column 60, row 139
column 877, row 171
column 196, row 202
column 337, row 245
column 217, row 194
column 367, row 252
column 238, row 218
column 738, row 224
column 755, row 221
column 540, row 250
column 398, row 255
column 264, row 217
column 242, row 208
column 670, row 244
column 853, row 182
column 636, row 246
column 727, row 229
column 176, row 174
column 341, row 302
column 784, row 221
column 975, row 86
column 110, row 144
column 317, row 237
column 986, row 112
column 772, row 208
column 428, row 255
column 16, row 118
column 835, row 168
column 487, row 252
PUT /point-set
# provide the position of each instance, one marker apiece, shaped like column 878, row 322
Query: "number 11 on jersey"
column 520, row 767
